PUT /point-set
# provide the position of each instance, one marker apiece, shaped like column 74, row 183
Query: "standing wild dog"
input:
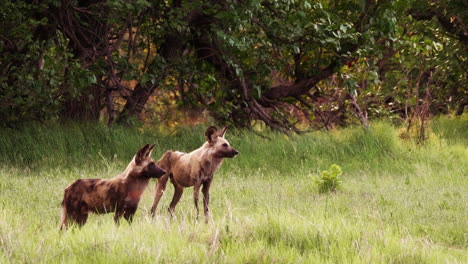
column 120, row 194
column 194, row 169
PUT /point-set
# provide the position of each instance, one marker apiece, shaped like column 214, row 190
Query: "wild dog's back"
column 169, row 159
column 95, row 195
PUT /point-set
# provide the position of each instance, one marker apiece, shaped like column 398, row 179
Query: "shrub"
column 330, row 179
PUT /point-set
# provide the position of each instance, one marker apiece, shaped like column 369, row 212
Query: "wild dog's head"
column 216, row 140
column 142, row 166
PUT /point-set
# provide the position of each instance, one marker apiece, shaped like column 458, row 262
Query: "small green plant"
column 330, row 179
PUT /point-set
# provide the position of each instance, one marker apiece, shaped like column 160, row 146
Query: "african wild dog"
column 120, row 194
column 194, row 169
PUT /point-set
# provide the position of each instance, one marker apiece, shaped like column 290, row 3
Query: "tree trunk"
column 461, row 108
column 136, row 103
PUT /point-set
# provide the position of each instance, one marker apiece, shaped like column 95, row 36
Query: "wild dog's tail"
column 64, row 213
column 165, row 161
column 63, row 218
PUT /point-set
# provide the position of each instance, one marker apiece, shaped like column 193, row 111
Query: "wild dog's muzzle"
column 232, row 153
column 160, row 173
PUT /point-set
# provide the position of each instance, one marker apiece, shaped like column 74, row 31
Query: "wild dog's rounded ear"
column 211, row 134
column 140, row 155
column 148, row 154
column 222, row 132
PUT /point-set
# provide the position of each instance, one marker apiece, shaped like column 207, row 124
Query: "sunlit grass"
column 398, row 203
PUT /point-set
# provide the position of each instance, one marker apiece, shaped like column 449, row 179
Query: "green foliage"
column 35, row 71
column 377, row 50
column 329, row 180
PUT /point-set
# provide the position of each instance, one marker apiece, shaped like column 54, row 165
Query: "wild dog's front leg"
column 206, row 199
column 196, row 191
column 117, row 216
column 160, row 187
column 130, row 209
column 128, row 215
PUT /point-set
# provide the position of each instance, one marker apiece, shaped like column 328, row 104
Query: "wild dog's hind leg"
column 79, row 214
column 82, row 218
column 206, row 199
column 178, row 190
column 160, row 187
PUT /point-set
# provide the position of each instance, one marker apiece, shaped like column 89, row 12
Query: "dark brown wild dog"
column 120, row 194
column 193, row 169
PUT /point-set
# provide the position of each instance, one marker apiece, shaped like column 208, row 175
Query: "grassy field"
column 398, row 203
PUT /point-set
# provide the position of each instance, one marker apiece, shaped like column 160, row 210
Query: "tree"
column 283, row 63
column 244, row 43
